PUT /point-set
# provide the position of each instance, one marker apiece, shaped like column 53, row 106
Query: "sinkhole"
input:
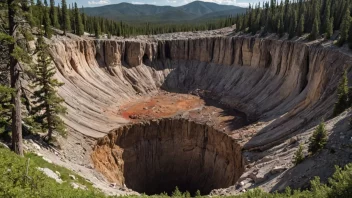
column 156, row 156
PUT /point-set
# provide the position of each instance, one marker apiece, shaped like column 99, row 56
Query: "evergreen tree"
column 330, row 28
column 18, row 12
column 79, row 25
column 349, row 39
column 300, row 28
column 5, row 107
column 345, row 26
column 53, row 14
column 315, row 30
column 342, row 96
column 299, row 157
column 198, row 194
column 46, row 21
column 327, row 16
column 318, row 140
column 293, row 25
column 59, row 15
column 177, row 193
column 48, row 103
column 97, row 30
column 66, row 23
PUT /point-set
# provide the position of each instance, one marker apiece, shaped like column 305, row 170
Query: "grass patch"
column 64, row 172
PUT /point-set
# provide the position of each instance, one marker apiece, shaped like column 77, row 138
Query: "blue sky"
column 95, row 3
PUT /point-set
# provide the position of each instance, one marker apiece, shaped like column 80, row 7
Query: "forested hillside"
column 189, row 13
column 72, row 19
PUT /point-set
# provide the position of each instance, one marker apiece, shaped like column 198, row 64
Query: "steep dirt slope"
column 284, row 88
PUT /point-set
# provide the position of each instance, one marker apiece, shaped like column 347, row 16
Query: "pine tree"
column 53, row 14
column 293, row 25
column 5, row 107
column 299, row 157
column 315, row 30
column 342, row 96
column 349, row 39
column 48, row 103
column 79, row 25
column 17, row 29
column 46, row 21
column 66, row 23
column 97, row 30
column 177, row 193
column 198, row 194
column 318, row 140
column 330, row 28
column 345, row 26
column 327, row 16
column 300, row 28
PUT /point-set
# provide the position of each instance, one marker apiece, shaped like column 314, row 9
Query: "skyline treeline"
column 70, row 18
column 297, row 17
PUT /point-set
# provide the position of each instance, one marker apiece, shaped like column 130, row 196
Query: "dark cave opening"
column 163, row 154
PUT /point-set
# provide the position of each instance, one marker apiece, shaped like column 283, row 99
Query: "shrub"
column 177, row 193
column 299, row 157
column 318, row 139
column 342, row 96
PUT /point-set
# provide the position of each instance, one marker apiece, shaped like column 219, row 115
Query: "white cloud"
column 99, row 2
column 244, row 5
column 171, row 1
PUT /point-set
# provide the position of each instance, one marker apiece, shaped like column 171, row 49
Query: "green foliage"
column 299, row 157
column 65, row 20
column 21, row 55
column 318, row 140
column 198, row 193
column 53, row 14
column 342, row 94
column 5, row 108
column 16, row 182
column 79, row 29
column 177, row 193
column 329, row 28
column 5, row 38
column 64, row 173
column 46, row 100
column 46, row 22
column 315, row 30
column 345, row 26
column 300, row 29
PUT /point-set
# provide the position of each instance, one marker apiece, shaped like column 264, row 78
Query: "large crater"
column 284, row 88
column 156, row 156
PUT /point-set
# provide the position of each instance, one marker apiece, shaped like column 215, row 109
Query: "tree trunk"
column 17, row 145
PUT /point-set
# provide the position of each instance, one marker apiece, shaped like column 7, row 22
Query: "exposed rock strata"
column 290, row 82
column 284, row 87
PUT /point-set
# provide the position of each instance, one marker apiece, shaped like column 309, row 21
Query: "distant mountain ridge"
column 194, row 11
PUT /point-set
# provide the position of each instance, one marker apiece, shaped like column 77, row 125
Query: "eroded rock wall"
column 289, row 85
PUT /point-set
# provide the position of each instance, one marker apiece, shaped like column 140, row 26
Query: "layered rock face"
column 290, row 82
column 156, row 156
column 284, row 88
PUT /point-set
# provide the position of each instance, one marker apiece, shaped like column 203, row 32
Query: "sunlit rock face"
column 284, row 88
